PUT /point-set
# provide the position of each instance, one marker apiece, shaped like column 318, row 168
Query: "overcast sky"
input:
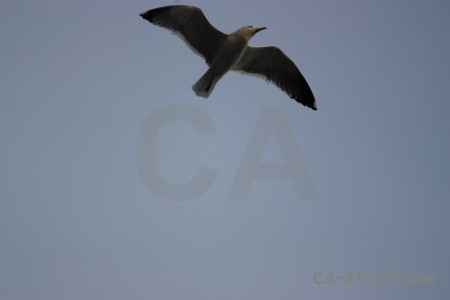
column 85, row 85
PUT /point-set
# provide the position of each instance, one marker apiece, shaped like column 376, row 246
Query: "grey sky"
column 78, row 80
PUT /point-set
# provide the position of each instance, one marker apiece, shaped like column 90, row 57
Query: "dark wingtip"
column 310, row 104
column 147, row 15
column 313, row 107
column 150, row 14
column 309, row 101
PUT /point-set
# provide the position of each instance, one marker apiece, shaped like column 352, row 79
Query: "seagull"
column 230, row 52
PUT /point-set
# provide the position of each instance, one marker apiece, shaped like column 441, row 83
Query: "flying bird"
column 230, row 52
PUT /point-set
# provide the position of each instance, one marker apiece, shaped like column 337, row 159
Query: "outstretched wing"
column 191, row 24
column 272, row 64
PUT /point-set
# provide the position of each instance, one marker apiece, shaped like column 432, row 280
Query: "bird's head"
column 249, row 31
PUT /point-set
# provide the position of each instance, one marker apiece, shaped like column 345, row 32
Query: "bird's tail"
column 204, row 86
